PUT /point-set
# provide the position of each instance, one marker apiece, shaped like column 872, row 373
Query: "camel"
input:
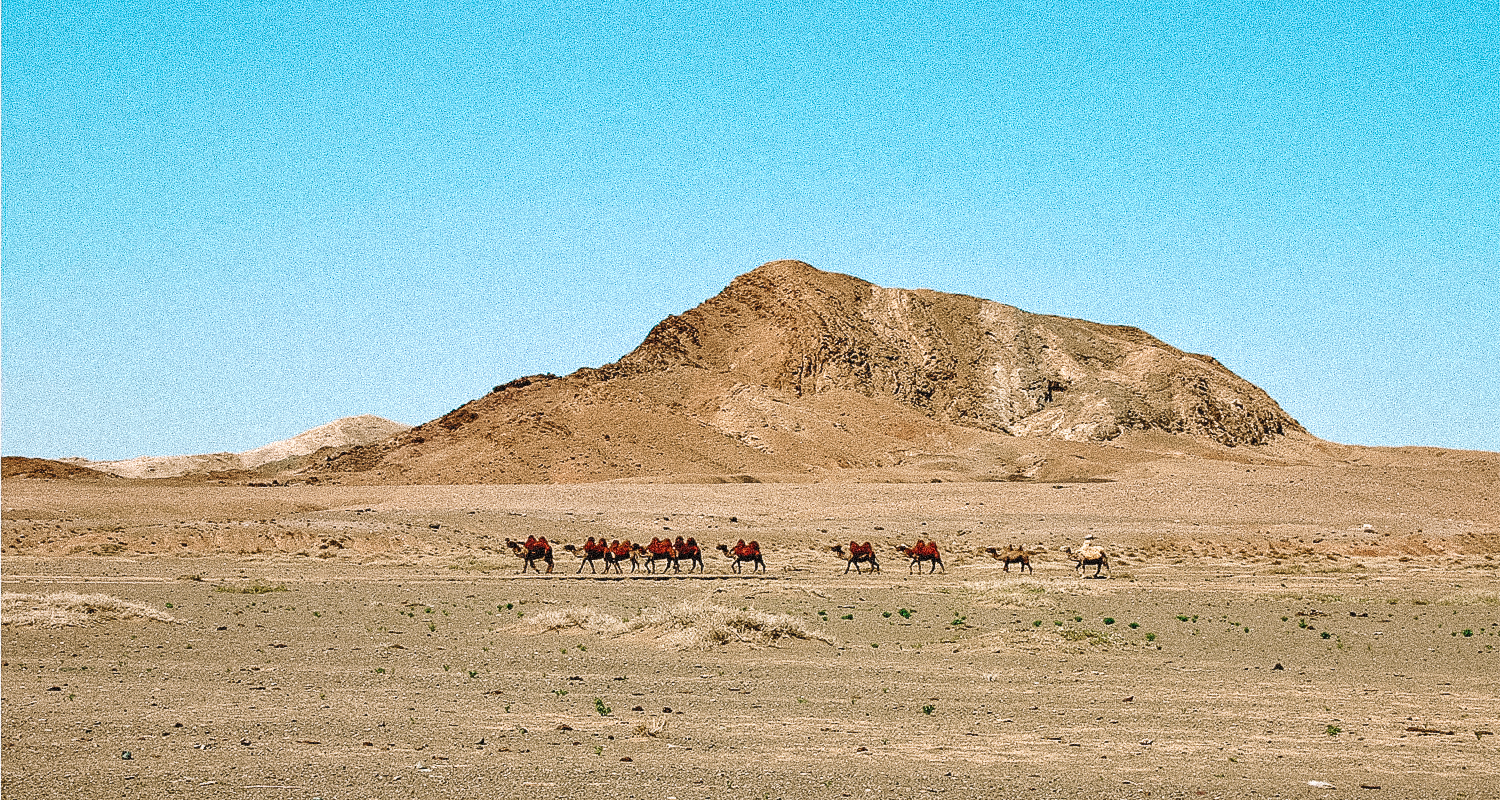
column 744, row 553
column 1089, row 554
column 1011, row 555
column 858, row 554
column 535, row 549
column 922, row 551
column 688, row 551
column 658, row 550
column 618, row 553
column 591, row 552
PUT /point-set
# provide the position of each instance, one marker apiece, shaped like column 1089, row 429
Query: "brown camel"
column 744, row 553
column 591, row 552
column 619, row 552
column 688, row 551
column 658, row 550
column 920, row 552
column 535, row 549
column 1011, row 555
column 857, row 554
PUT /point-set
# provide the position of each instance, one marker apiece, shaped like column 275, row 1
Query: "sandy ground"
column 377, row 642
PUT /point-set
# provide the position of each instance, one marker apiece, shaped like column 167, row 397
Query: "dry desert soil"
column 1253, row 639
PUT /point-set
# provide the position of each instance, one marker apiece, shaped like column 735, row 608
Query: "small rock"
column 627, row 758
column 1278, row 667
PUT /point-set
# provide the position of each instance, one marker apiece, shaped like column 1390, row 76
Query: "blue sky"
column 228, row 223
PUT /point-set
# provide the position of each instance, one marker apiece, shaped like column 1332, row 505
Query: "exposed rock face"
column 958, row 359
column 791, row 369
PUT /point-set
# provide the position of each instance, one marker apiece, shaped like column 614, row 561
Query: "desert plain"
column 1265, row 630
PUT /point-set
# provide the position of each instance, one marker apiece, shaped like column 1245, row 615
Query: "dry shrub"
column 687, row 625
column 655, row 729
column 64, row 609
column 698, row 625
column 585, row 618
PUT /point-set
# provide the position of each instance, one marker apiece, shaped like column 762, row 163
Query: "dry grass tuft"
column 70, row 609
column 1023, row 593
column 1470, row 597
column 687, row 625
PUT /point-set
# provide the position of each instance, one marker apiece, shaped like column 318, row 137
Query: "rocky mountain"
column 794, row 371
column 340, row 434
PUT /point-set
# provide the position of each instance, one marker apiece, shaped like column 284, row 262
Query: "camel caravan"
column 684, row 555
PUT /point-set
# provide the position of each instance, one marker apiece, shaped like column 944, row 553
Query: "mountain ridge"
column 794, row 371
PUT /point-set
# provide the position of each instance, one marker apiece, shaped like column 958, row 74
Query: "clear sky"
column 226, row 223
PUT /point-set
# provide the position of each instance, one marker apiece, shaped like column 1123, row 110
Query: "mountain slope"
column 791, row 370
column 340, row 434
